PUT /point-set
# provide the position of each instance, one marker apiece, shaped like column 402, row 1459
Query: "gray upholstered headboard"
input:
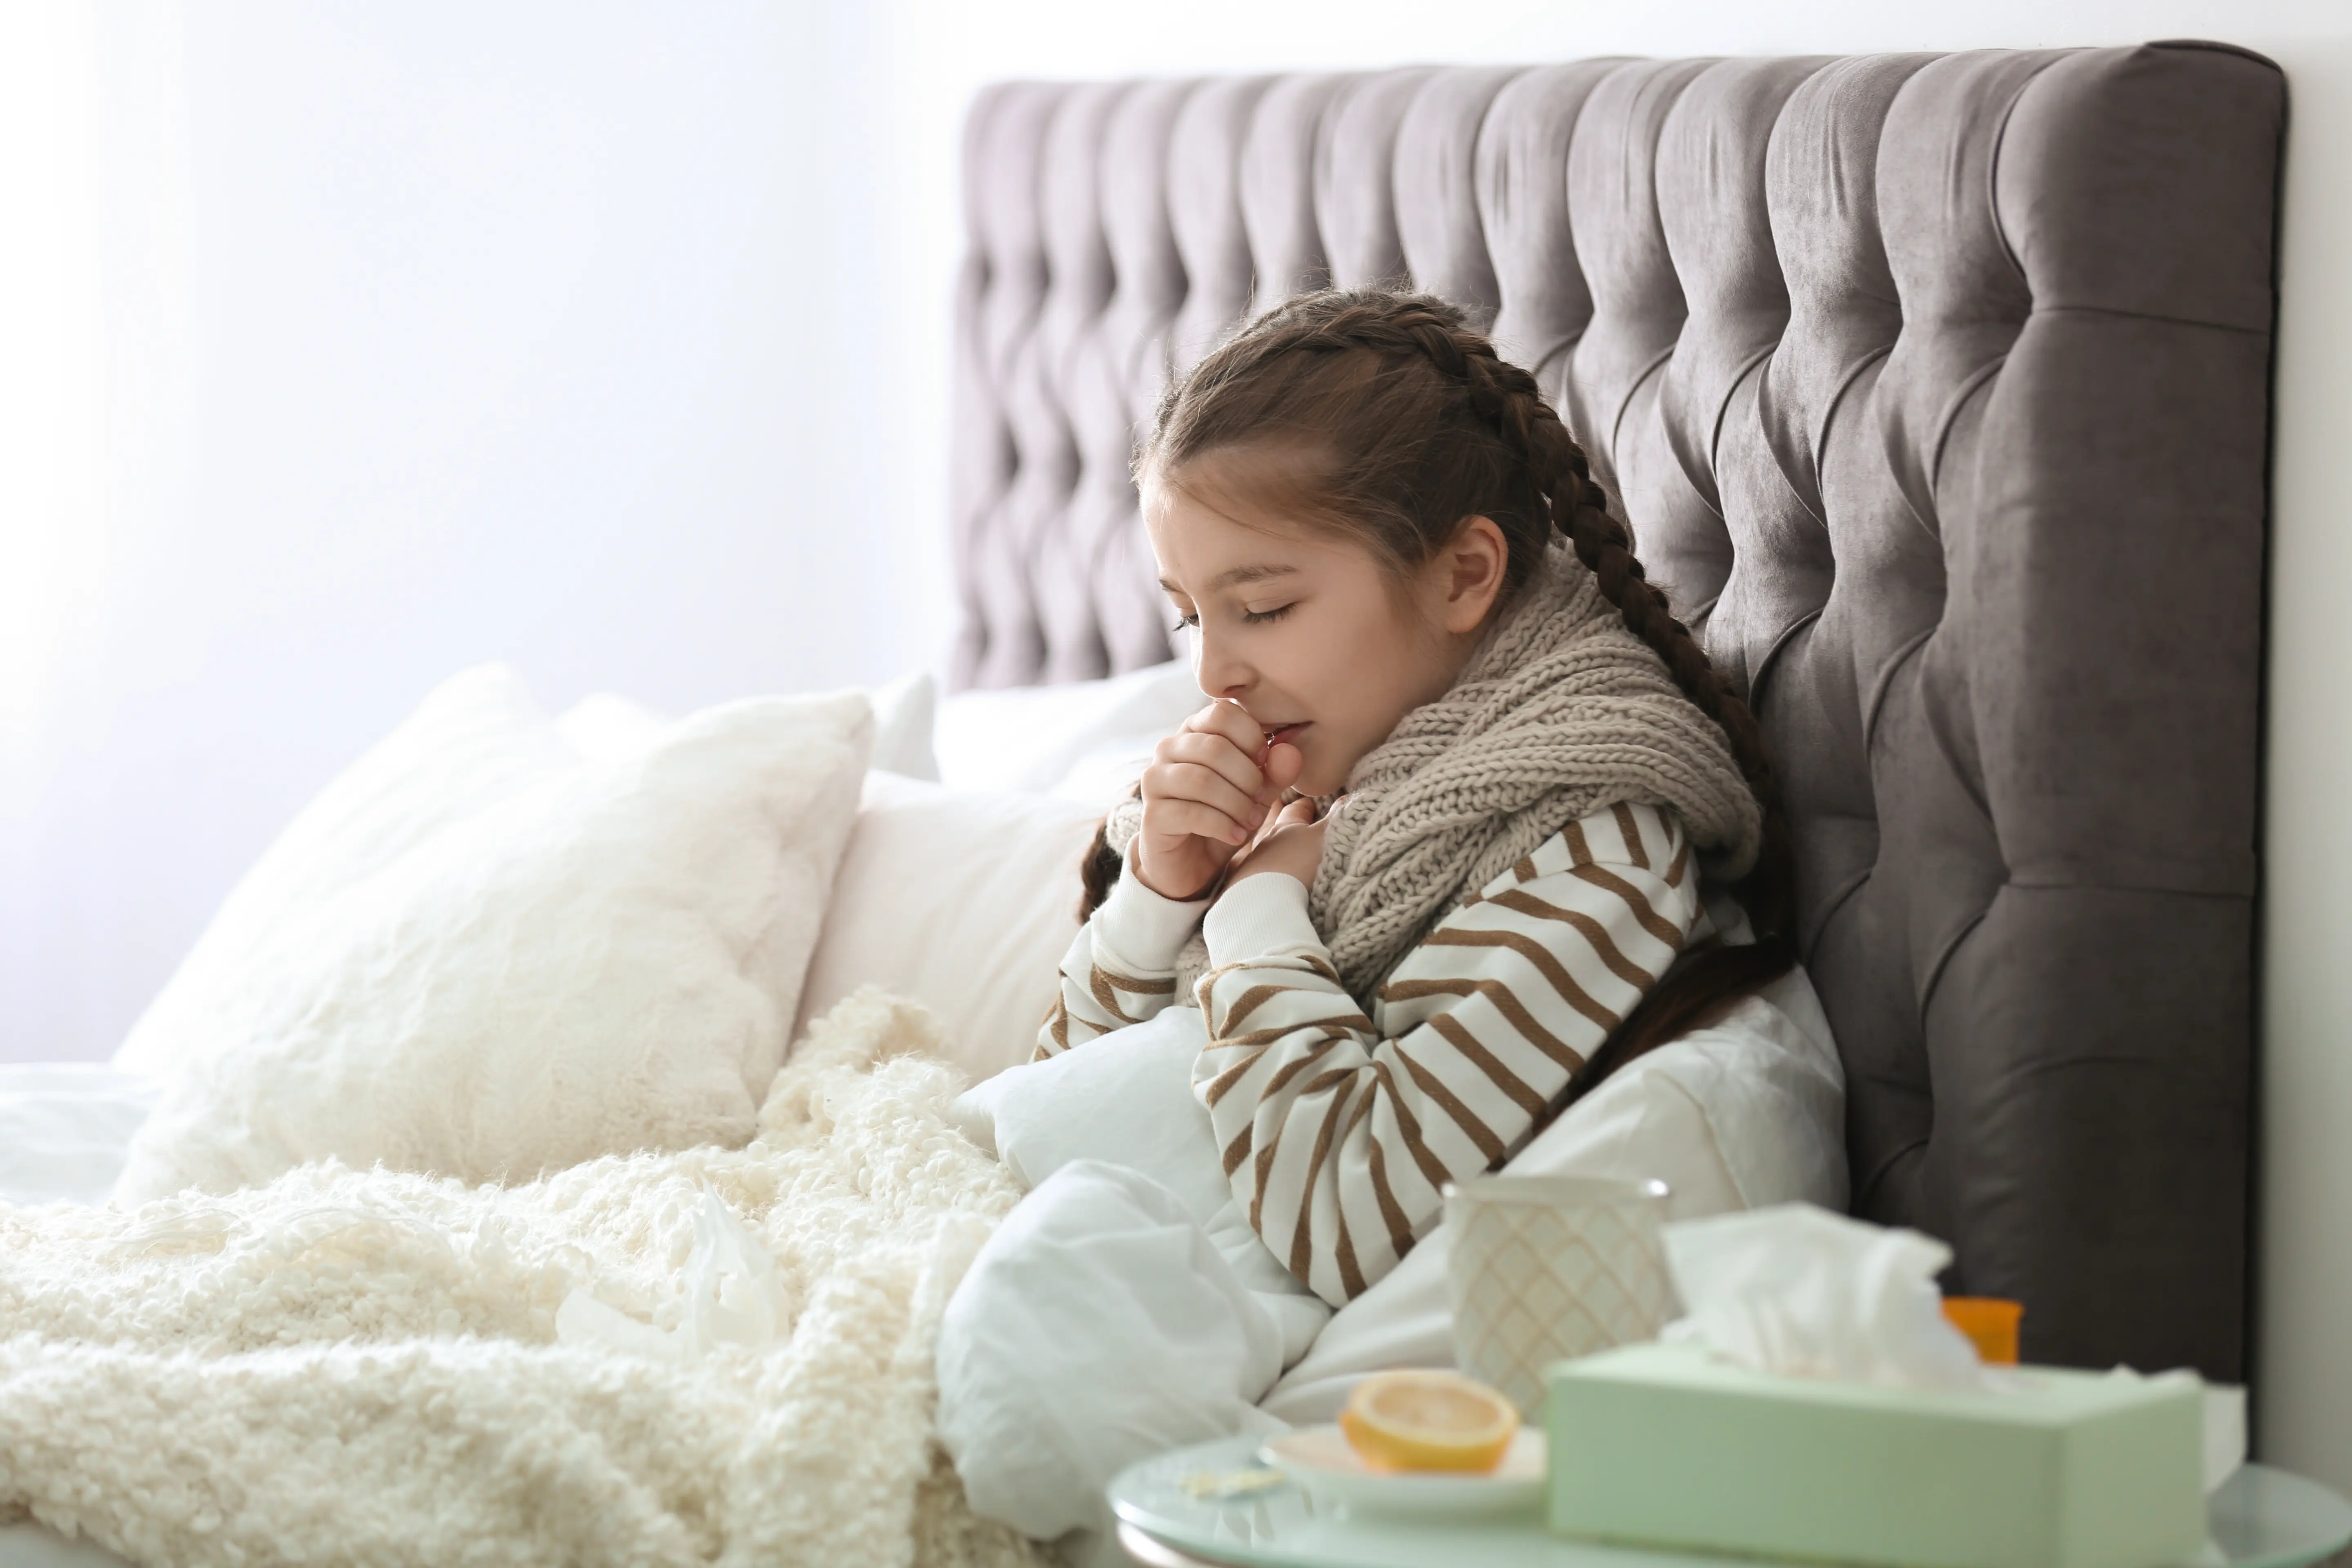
column 1935, row 388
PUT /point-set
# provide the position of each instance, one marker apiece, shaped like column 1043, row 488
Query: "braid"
column 1505, row 398
column 1715, row 981
column 1580, row 511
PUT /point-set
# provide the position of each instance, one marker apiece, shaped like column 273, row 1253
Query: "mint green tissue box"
column 1658, row 1445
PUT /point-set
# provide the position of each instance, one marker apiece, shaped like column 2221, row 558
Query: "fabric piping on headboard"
column 1936, row 389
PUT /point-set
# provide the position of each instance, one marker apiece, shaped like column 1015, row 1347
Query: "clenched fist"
column 1210, row 788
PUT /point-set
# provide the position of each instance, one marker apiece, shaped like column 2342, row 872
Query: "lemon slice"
column 1428, row 1421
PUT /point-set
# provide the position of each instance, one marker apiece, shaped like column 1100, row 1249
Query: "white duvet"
column 1127, row 1308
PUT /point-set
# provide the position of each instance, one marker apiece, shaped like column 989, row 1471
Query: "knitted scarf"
column 1560, row 712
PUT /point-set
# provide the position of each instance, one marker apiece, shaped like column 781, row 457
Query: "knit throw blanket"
column 715, row 1356
column 1560, row 712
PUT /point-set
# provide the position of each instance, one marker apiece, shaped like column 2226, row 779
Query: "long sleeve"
column 1339, row 1130
column 1121, row 967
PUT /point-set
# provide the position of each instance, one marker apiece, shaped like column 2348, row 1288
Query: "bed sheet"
column 63, row 1130
column 64, row 1127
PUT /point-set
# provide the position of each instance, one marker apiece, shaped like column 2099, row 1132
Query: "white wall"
column 543, row 331
column 432, row 331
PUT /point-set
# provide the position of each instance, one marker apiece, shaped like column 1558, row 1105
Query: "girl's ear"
column 1469, row 574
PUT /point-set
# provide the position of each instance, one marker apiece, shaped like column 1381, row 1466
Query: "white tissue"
column 1795, row 1289
column 732, row 1294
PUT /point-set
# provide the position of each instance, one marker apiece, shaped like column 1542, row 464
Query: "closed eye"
column 1182, row 621
column 1257, row 618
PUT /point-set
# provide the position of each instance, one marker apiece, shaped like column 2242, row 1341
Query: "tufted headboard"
column 1936, row 389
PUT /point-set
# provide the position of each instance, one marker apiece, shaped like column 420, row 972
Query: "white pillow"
column 1749, row 1111
column 904, row 714
column 606, row 726
column 963, row 900
column 1086, row 741
column 481, row 953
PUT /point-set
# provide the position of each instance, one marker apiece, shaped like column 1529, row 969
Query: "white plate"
column 1319, row 1460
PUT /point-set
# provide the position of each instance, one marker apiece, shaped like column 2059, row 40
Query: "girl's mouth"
column 1284, row 732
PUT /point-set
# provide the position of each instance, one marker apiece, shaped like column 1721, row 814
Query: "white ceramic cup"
column 1541, row 1269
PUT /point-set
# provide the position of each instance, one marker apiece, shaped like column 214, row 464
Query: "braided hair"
column 1384, row 418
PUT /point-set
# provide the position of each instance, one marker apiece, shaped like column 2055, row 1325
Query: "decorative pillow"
column 963, row 900
column 482, row 953
column 904, row 714
column 1747, row 1111
column 605, row 727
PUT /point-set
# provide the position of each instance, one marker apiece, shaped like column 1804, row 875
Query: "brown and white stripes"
column 1339, row 1130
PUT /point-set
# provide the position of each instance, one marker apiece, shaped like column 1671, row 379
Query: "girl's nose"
column 1218, row 674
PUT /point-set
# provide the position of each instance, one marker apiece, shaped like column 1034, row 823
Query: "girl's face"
column 1311, row 635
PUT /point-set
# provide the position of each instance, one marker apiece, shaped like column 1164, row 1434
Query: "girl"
column 1445, row 848
column 1408, row 595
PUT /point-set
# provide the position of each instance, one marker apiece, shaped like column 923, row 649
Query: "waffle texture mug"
column 1541, row 1269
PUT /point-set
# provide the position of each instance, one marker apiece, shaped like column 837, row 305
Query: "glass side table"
column 2261, row 1518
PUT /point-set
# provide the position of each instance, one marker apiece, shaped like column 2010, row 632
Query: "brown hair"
column 1385, row 418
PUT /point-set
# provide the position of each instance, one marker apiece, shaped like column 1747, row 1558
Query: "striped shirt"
column 1340, row 1131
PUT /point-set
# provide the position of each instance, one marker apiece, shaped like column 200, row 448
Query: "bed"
column 1935, row 388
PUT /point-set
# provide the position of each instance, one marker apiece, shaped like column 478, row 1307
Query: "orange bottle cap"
column 1990, row 1322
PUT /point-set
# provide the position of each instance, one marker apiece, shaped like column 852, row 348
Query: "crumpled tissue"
column 1797, row 1289
column 733, row 1294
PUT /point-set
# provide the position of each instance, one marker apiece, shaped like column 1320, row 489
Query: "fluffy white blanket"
column 367, row 1367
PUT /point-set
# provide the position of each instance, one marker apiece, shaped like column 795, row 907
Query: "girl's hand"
column 1294, row 847
column 1209, row 788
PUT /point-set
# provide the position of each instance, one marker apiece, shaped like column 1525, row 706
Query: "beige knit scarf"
column 1562, row 711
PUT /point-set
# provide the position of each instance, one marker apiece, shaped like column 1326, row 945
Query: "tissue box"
column 1660, row 1444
